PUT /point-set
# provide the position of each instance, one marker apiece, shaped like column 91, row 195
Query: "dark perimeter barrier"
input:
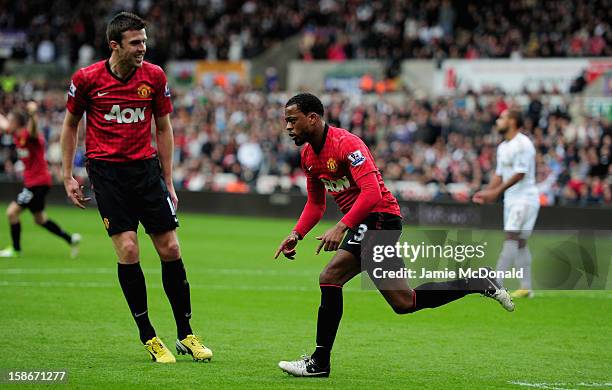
column 415, row 213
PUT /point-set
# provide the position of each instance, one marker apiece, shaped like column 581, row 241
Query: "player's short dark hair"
column 121, row 23
column 307, row 103
column 516, row 114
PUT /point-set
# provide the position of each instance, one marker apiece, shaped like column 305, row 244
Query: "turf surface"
column 59, row 313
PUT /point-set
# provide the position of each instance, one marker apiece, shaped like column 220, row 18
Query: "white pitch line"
column 235, row 287
column 555, row 386
column 594, row 294
column 550, row 386
column 221, row 271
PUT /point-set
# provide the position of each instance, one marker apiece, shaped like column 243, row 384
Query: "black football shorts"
column 131, row 192
column 33, row 198
column 374, row 221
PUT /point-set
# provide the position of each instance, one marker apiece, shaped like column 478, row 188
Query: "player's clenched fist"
column 31, row 108
column 287, row 247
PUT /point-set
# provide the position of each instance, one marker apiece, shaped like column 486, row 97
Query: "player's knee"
column 172, row 250
column 11, row 213
column 169, row 250
column 328, row 276
column 129, row 250
column 39, row 220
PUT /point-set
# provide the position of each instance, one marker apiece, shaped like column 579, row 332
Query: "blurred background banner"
column 515, row 76
column 209, row 74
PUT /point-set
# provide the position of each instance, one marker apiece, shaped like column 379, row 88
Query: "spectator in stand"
column 69, row 32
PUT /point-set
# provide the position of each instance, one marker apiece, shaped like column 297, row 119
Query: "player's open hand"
column 331, row 239
column 173, row 196
column 287, row 247
column 75, row 192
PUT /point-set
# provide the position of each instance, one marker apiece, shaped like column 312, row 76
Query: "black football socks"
column 132, row 283
column 176, row 287
column 55, row 229
column 16, row 235
column 330, row 313
column 434, row 294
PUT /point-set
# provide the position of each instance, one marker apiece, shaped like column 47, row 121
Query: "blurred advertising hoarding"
column 207, row 73
column 515, row 76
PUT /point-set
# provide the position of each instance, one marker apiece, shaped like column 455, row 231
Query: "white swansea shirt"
column 518, row 156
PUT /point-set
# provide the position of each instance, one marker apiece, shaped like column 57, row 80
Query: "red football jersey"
column 119, row 112
column 31, row 151
column 343, row 159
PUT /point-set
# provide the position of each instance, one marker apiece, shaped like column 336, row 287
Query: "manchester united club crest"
column 332, row 166
column 144, row 91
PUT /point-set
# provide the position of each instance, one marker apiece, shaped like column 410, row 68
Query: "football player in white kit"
column 515, row 178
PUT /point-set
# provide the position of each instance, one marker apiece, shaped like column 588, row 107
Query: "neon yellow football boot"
column 193, row 346
column 159, row 352
column 9, row 252
column 522, row 293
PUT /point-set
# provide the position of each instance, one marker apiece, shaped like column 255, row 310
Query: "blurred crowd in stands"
column 233, row 139
column 469, row 29
column 427, row 149
column 72, row 32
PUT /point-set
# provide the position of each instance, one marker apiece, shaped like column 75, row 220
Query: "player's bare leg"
column 12, row 213
column 176, row 286
column 41, row 219
column 343, row 267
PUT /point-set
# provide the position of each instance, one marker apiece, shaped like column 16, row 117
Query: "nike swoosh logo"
column 351, row 242
column 140, row 314
column 102, row 93
column 310, row 167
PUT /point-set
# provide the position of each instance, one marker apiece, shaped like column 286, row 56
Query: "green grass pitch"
column 57, row 313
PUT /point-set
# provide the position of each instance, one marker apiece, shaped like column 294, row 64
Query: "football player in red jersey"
column 30, row 146
column 336, row 161
column 132, row 181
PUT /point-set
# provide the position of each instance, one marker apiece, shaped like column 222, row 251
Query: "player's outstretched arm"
column 496, row 188
column 311, row 215
column 31, row 109
column 68, row 141
column 287, row 247
column 165, row 149
column 368, row 198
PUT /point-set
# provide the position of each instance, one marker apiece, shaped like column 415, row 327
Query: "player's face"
column 133, row 47
column 297, row 125
column 503, row 122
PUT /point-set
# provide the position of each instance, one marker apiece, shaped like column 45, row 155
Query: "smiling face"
column 299, row 124
column 130, row 51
